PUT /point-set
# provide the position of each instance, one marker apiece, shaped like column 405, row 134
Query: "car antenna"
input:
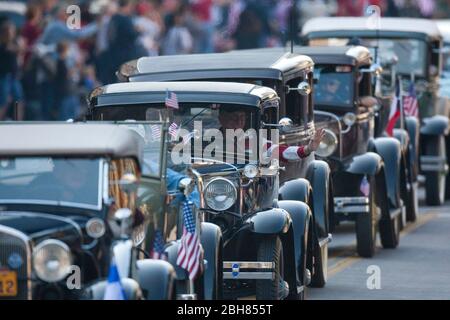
column 291, row 25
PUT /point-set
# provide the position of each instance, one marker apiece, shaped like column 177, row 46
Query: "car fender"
column 301, row 216
column 390, row 151
column 413, row 128
column 156, row 278
column 368, row 163
column 403, row 137
column 273, row 221
column 211, row 240
column 96, row 291
column 297, row 190
column 172, row 255
column 318, row 173
column 436, row 125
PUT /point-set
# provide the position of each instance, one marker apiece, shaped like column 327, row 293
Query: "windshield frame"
column 68, row 204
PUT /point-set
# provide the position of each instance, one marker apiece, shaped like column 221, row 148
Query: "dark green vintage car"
column 266, row 242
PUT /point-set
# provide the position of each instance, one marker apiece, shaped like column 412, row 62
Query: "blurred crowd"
column 48, row 68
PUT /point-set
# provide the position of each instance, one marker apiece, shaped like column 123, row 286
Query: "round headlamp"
column 220, row 194
column 52, row 260
column 349, row 119
column 250, row 171
column 328, row 144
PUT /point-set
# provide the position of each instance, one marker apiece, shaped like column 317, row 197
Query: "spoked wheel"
column 435, row 180
column 390, row 232
column 366, row 226
column 271, row 250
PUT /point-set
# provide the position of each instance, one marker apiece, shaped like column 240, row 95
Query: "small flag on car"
column 410, row 102
column 114, row 289
column 173, row 130
column 190, row 249
column 158, row 247
column 365, row 187
column 394, row 113
column 156, row 131
column 171, row 100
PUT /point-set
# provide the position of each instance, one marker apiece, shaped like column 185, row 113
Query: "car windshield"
column 411, row 53
column 334, row 85
column 151, row 133
column 194, row 119
column 58, row 181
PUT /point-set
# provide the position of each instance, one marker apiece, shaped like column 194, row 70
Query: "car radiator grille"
column 11, row 244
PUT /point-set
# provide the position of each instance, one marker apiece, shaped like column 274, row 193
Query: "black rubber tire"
column 435, row 181
column 412, row 203
column 319, row 278
column 447, row 182
column 270, row 249
column 390, row 232
column 366, row 226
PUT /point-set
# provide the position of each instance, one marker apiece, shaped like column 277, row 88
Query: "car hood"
column 39, row 226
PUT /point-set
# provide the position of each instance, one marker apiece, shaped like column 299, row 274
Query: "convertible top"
column 155, row 92
column 361, row 26
column 202, row 66
column 69, row 140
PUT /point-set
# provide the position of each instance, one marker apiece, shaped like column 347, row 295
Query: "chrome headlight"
column 220, row 194
column 52, row 260
column 328, row 145
column 250, row 171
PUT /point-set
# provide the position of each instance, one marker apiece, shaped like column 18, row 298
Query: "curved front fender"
column 318, row 173
column 297, row 190
column 156, row 278
column 390, row 151
column 274, row 221
column 368, row 163
column 413, row 128
column 436, row 125
column 211, row 239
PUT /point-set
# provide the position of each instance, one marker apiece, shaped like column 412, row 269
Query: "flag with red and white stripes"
column 394, row 113
column 158, row 251
column 190, row 249
column 171, row 100
column 410, row 102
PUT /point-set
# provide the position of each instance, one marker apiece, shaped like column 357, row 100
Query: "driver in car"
column 236, row 119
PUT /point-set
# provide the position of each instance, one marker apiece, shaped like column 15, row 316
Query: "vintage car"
column 416, row 43
column 68, row 207
column 266, row 242
column 291, row 76
column 360, row 160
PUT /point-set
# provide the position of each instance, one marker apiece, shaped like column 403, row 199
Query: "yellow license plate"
column 8, row 283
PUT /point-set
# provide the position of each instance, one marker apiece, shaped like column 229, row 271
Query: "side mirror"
column 128, row 183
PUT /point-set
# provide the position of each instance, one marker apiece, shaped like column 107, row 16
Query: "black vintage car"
column 265, row 241
column 416, row 44
column 291, row 76
column 370, row 174
column 67, row 202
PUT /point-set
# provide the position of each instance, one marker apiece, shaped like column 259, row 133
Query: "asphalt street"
column 418, row 269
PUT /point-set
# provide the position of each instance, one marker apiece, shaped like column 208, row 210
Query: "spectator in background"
column 32, row 28
column 150, row 31
column 201, row 11
column 123, row 39
column 250, row 30
column 10, row 86
column 65, row 84
column 178, row 39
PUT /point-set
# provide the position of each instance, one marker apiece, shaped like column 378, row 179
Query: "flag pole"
column 402, row 110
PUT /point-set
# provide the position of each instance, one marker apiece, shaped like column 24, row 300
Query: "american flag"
column 173, row 130
column 189, row 251
column 158, row 247
column 156, row 131
column 171, row 100
column 365, row 187
column 410, row 102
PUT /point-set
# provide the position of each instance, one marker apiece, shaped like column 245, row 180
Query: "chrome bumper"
column 433, row 163
column 266, row 273
column 351, row 205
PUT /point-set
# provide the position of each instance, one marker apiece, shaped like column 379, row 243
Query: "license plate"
column 8, row 283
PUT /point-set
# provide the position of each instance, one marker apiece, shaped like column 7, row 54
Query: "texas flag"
column 114, row 289
column 395, row 112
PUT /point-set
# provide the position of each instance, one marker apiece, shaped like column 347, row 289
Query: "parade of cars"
column 223, row 176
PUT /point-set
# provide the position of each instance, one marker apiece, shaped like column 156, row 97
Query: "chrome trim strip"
column 26, row 240
column 249, row 275
column 326, row 240
column 343, row 201
column 352, row 209
column 249, row 265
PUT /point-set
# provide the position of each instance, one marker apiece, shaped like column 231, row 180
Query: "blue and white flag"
column 114, row 289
